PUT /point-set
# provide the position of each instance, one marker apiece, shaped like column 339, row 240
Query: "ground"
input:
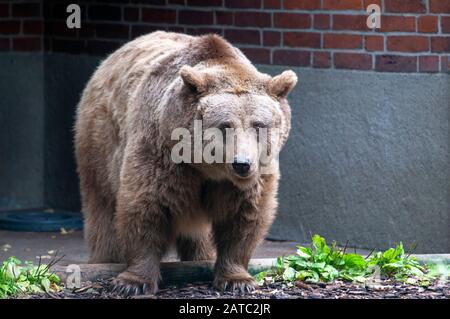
column 29, row 246
column 336, row 290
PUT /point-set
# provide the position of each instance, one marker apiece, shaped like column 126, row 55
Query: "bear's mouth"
column 243, row 180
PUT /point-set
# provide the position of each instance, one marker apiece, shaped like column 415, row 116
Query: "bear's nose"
column 241, row 165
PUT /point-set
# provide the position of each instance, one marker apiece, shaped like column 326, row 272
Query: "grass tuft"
column 17, row 278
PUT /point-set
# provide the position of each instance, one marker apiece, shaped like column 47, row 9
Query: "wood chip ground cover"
column 386, row 289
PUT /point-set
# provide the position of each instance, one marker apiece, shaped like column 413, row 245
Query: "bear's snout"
column 241, row 165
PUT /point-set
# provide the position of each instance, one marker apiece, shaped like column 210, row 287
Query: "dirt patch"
column 337, row 290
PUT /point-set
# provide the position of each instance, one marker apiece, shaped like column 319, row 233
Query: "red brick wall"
column 415, row 34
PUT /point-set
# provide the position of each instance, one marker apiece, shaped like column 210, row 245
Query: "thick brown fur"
column 136, row 201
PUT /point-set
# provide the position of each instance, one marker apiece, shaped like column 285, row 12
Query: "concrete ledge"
column 181, row 272
column 178, row 272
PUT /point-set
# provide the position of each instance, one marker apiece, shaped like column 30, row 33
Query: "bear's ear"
column 193, row 79
column 282, row 84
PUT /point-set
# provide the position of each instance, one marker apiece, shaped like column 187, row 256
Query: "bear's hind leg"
column 99, row 228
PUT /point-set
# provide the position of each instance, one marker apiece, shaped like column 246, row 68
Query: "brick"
column 301, row 39
column 440, row 44
column 440, row 6
column 342, row 41
column 243, row 4
column 104, row 13
column 429, row 63
column 200, row 31
column 26, row 10
column 397, row 23
column 374, row 43
column 252, row 19
column 58, row 11
column 445, row 64
column 47, row 46
column 322, row 21
column 138, row 30
column 26, row 44
column 408, row 43
column 302, row 4
column 4, row 44
column 100, row 47
column 224, row 17
column 163, row 15
column 87, row 30
column 396, row 63
column 131, row 14
column 195, row 17
column 445, row 24
column 405, row 6
column 33, row 27
column 292, row 57
column 342, row 4
column 350, row 22
column 428, row 24
column 271, row 38
column 59, row 28
column 151, row 2
column 68, row 46
column 366, row 3
column 243, row 36
column 355, row 61
column 272, row 4
column 292, row 20
column 321, row 60
column 112, row 31
column 176, row 29
column 4, row 11
column 9, row 27
column 257, row 55
column 204, row 3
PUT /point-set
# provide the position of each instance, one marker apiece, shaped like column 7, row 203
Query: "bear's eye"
column 259, row 125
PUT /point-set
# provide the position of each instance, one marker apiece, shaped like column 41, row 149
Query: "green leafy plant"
column 16, row 278
column 325, row 263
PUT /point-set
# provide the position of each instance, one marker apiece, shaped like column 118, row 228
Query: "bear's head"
column 241, row 117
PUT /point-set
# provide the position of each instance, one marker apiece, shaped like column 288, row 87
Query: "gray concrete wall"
column 21, row 131
column 65, row 78
column 367, row 160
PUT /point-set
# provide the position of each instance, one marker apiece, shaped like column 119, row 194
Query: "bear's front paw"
column 235, row 282
column 130, row 284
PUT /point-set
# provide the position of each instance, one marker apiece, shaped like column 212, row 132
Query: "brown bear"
column 137, row 201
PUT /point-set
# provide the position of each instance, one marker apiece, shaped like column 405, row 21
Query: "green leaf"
column 320, row 245
column 289, row 274
column 45, row 284
column 304, row 252
column 319, row 266
column 303, row 274
column 279, row 263
column 260, row 276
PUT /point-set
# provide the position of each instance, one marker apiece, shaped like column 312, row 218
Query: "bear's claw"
column 129, row 287
column 246, row 285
